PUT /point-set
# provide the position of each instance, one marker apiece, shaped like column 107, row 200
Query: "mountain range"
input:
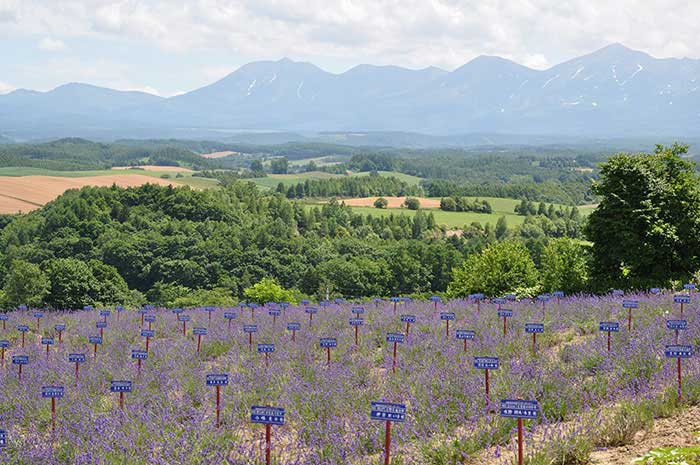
column 612, row 92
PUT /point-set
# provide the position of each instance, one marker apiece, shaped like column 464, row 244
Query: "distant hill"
column 613, row 92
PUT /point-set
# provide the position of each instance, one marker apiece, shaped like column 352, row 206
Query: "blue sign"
column 293, row 327
column 23, row 328
column 677, row 324
column 325, row 303
column 3, row 438
column 4, row 344
column 105, row 313
column 88, row 308
column 311, row 310
column 22, row 307
column 59, row 328
column 217, row 379
column 534, row 328
column 230, row 316
column 149, row 318
column 499, row 301
column 250, row 328
column 77, row 358
column 177, row 311
column 394, row 337
column 138, row 354
column 505, row 313
column 477, row 296
column 376, row 300
column 284, row 304
column 199, row 331
column 4, row 317
column 38, row 315
column 305, row 302
column 47, row 341
column 681, row 299
column 356, row 321
column 510, row 297
column 447, row 316
column 689, row 287
column 95, row 340
column 263, row 348
column 329, row 342
column 358, row 310
column 101, row 324
column 655, row 290
column 678, row 351
column 20, row 359
column 183, row 318
column 267, row 415
column 465, row 334
column 52, row 392
column 339, row 301
column 148, row 333
column 436, row 298
column 120, row 386
column 408, row 318
column 630, row 304
column 618, row 292
column 512, row 408
column 385, row 411
column 486, row 363
column 610, row 326
column 544, row 297
column 395, row 299
column 142, row 311
column 274, row 312
column 558, row 294
column 119, row 308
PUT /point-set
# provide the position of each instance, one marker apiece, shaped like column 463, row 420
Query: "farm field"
column 272, row 180
column 588, row 396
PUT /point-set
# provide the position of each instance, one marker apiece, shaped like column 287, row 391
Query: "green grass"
column 407, row 178
column 271, row 180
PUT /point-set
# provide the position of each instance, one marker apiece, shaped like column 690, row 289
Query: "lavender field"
column 589, row 397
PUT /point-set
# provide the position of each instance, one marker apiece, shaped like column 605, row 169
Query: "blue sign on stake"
column 148, row 333
column 395, row 337
column 38, row 314
column 47, row 341
column 677, row 324
column 356, row 321
column 513, row 408
column 610, row 326
column 465, row 334
column 486, row 363
column 681, row 299
column 60, row 327
column 504, row 313
column 447, row 316
column 534, row 328
column 199, row 331
column 95, row 340
column 689, row 287
column 20, row 359
column 4, row 317
column 293, row 327
column 149, row 318
column 510, row 297
column 678, row 351
column 101, row 324
column 328, row 342
column 22, row 328
column 436, row 298
column 77, row 358
column 618, row 292
column 4, row 344
column 142, row 311
column 267, row 415
column 558, row 294
column 274, row 312
column 183, row 318
column 120, row 386
column 408, row 318
column 630, row 304
column 263, row 348
column 137, row 354
column 655, row 290
column 544, row 297
column 230, row 316
column 105, row 313
column 395, row 299
column 311, row 310
column 250, row 328
column 217, row 379
column 3, row 438
column 386, row 411
column 358, row 310
column 284, row 304
column 305, row 302
column 177, row 311
column 499, row 301
column 52, row 392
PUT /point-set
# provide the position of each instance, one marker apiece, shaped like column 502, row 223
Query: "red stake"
column 77, row 369
column 147, row 343
column 311, row 319
column 59, row 337
column 356, row 335
column 218, row 404
column 387, row 443
column 294, row 334
column 142, row 319
column 680, row 385
column 53, row 414
column 94, row 351
column 394, row 308
column 184, row 328
column 608, row 341
column 38, row 324
column 121, row 401
column 676, row 338
column 47, row 351
column 393, row 363
column 139, row 367
column 22, row 339
column 268, row 446
column 447, row 329
column 465, row 345
column 149, row 326
column 408, row 328
column 534, row 342
column 681, row 309
column 505, row 326
column 329, row 356
column 267, row 360
column 486, row 384
column 520, row 441
column 229, row 324
column 629, row 319
column 199, row 342
column 20, row 373
column 250, row 341
column 2, row 349
column 102, row 332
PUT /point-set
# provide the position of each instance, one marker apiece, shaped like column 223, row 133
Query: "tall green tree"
column 646, row 229
column 501, row 268
column 565, row 266
column 25, row 284
column 72, row 284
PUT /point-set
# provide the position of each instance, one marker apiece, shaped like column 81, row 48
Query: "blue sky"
column 172, row 46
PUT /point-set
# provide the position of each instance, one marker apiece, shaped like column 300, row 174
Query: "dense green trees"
column 565, row 266
column 463, row 204
column 351, row 186
column 25, row 284
column 646, row 229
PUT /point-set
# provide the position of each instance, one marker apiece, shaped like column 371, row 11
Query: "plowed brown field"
column 394, row 202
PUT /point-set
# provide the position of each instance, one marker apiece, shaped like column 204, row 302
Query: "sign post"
column 218, row 380
column 138, row 355
column 356, row 323
column 534, row 329
column 38, row 316
column 104, row 314
column 505, row 314
column 22, row 329
column 511, row 408
column 559, row 295
column 311, row 311
column 266, row 349
column 77, row 359
column 465, row 335
column 184, row 319
column 267, row 416
column 477, row 297
column 121, row 387
column 436, row 300
column 544, row 298
column 20, row 360
column 293, row 327
column 250, row 329
column 230, row 316
column 59, row 328
column 199, row 332
column 629, row 305
column 678, row 352
column 387, row 412
column 148, row 334
column 48, row 342
column 681, row 299
column 53, row 393
column 3, row 439
column 4, row 344
column 101, row 325
column 609, row 327
column 328, row 343
column 396, row 338
column 447, row 317
column 142, row 312
column 395, row 301
column 408, row 319
column 4, row 319
column 150, row 319
column 677, row 325
column 274, row 313
column 95, row 341
column 486, row 364
column 498, row 302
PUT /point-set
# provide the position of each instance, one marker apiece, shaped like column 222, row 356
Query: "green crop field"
column 407, row 178
column 453, row 220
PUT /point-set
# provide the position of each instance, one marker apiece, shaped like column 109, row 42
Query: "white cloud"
column 51, row 45
column 5, row 88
